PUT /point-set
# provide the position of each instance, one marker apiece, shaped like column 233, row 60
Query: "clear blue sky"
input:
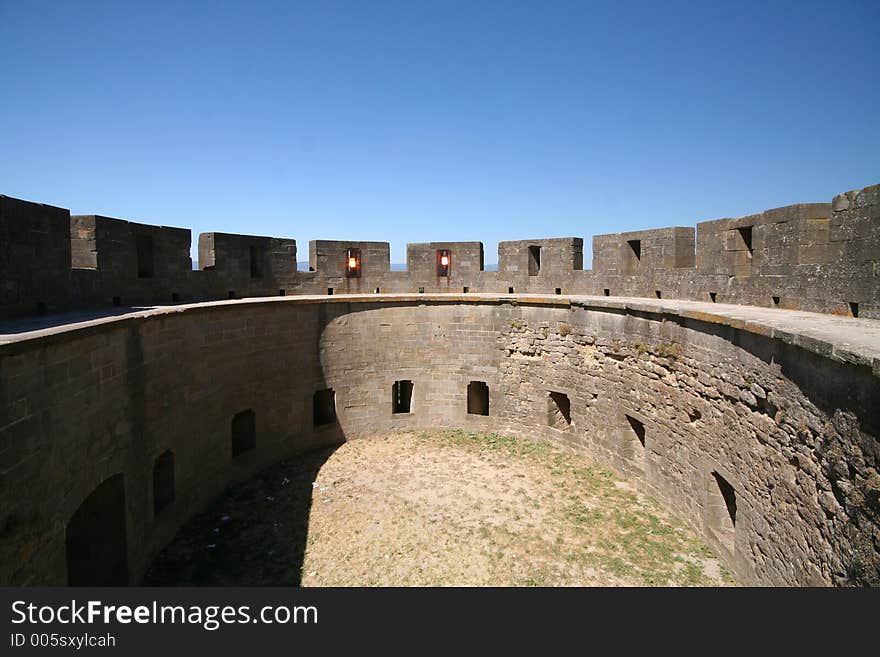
column 416, row 121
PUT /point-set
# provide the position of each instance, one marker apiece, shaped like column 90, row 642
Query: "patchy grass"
column 443, row 508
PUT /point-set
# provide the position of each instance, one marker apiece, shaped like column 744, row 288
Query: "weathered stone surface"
column 655, row 393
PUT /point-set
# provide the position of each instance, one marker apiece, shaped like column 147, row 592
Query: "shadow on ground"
column 253, row 535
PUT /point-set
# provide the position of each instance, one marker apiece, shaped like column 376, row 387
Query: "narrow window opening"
column 558, row 290
column 607, row 292
column 534, row 260
column 421, row 290
column 636, row 248
column 465, row 289
column 713, row 296
column 854, row 308
column 257, row 255
column 632, row 258
column 559, row 410
column 329, row 290
column 745, row 235
column 510, row 290
column 163, row 481
column 658, row 294
column 401, row 397
column 144, row 249
column 324, row 407
column 775, row 301
column 444, row 262
column 721, row 509
column 478, row 398
column 377, row 290
column 244, row 432
column 282, row 293
column 638, row 429
column 353, row 263
column 729, row 495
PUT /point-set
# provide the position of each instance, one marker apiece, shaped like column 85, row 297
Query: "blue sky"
column 417, row 121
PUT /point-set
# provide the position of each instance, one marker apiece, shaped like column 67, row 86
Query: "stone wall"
column 78, row 408
column 818, row 256
column 540, row 265
column 697, row 409
column 235, row 266
column 34, row 258
column 466, row 262
column 120, row 262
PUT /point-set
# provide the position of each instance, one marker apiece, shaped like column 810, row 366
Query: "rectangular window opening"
column 713, row 296
column 465, row 289
column 534, row 260
column 775, row 301
column 510, row 290
column 244, row 432
column 353, row 263
column 607, row 292
column 444, row 262
column 636, row 248
column 658, row 294
column 853, row 308
column 558, row 290
column 401, row 397
column 329, row 290
column 282, row 293
column 558, row 410
column 745, row 235
column 144, row 248
column 478, row 398
column 324, row 407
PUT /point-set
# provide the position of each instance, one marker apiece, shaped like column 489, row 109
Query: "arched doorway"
column 97, row 554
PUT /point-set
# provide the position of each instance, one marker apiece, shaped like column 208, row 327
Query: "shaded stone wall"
column 235, row 266
column 675, row 402
column 817, row 256
column 123, row 263
column 34, row 258
column 79, row 408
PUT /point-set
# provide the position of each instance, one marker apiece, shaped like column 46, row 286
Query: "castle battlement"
column 822, row 257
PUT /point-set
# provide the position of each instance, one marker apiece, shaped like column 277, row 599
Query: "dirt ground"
column 437, row 509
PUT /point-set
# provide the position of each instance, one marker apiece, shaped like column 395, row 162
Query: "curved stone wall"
column 753, row 425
